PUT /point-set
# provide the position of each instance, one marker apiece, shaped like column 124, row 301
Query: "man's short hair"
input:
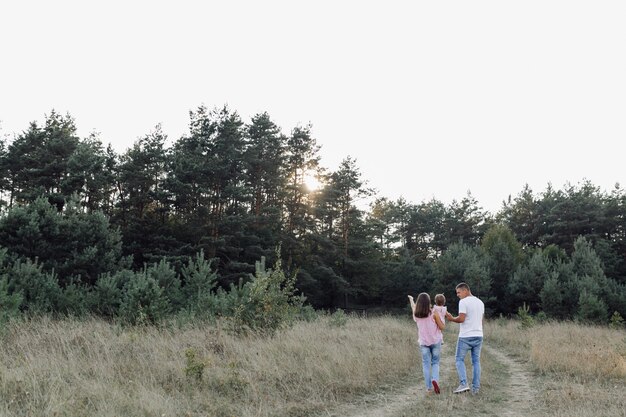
column 463, row 286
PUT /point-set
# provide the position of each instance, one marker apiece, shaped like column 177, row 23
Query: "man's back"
column 474, row 310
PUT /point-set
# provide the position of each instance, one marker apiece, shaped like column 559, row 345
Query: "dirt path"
column 518, row 392
column 394, row 403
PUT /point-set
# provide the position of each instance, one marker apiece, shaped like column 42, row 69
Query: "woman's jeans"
column 473, row 345
column 430, row 363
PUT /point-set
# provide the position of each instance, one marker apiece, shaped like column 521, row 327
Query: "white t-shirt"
column 474, row 310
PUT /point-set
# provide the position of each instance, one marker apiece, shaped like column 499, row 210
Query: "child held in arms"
column 440, row 306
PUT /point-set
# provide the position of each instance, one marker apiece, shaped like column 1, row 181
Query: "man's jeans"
column 464, row 345
column 430, row 363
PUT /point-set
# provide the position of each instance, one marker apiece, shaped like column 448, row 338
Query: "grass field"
column 94, row 368
column 579, row 370
column 80, row 368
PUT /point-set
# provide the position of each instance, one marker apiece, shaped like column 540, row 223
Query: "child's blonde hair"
column 440, row 299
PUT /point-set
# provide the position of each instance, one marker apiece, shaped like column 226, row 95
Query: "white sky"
column 433, row 98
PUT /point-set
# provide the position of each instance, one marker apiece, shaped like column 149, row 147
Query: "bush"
column 525, row 319
column 9, row 303
column 168, row 280
column 270, row 302
column 40, row 290
column 106, row 296
column 616, row 321
column 308, row 314
column 194, row 368
column 199, row 281
column 541, row 317
column 591, row 308
column 74, row 299
column 338, row 319
column 70, row 242
column 552, row 297
column 144, row 301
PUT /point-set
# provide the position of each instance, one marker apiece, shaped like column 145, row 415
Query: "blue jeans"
column 430, row 363
column 473, row 345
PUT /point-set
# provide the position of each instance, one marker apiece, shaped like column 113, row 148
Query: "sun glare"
column 311, row 182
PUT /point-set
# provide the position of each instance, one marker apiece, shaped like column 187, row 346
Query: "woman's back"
column 428, row 331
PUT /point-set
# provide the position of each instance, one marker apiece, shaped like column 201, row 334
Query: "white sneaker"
column 461, row 388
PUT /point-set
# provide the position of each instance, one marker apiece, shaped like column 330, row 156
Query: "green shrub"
column 591, row 308
column 70, row 242
column 270, row 302
column 144, row 301
column 194, row 368
column 338, row 319
column 541, row 317
column 9, row 302
column 524, row 317
column 552, row 297
column 106, row 296
column 616, row 321
column 308, row 313
column 168, row 279
column 74, row 299
column 40, row 290
column 199, row 280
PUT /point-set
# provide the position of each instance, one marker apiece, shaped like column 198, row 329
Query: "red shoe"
column 436, row 387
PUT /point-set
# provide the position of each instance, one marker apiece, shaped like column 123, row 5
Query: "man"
column 471, row 311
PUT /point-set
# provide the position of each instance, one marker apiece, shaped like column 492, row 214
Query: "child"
column 440, row 308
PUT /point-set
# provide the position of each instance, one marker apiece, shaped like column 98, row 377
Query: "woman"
column 429, row 327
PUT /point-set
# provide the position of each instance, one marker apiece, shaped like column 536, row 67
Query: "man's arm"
column 458, row 319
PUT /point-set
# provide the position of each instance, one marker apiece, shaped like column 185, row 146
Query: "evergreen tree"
column 39, row 290
column 144, row 301
column 503, row 256
column 91, row 175
column 302, row 160
column 591, row 308
column 143, row 202
column 465, row 221
column 72, row 243
column 462, row 263
column 37, row 161
column 199, row 282
column 403, row 277
column 522, row 216
column 425, row 231
column 528, row 281
column 552, row 296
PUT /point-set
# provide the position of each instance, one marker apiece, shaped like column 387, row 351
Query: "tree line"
column 85, row 229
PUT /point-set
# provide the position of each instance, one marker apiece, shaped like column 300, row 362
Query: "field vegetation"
column 91, row 367
column 580, row 370
column 78, row 367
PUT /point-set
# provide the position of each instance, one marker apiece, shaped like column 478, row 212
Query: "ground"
column 507, row 390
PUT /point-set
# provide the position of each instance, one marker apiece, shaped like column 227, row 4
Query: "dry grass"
column 581, row 370
column 90, row 367
column 94, row 368
column 580, row 351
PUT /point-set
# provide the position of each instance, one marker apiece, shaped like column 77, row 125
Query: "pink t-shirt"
column 427, row 331
column 441, row 310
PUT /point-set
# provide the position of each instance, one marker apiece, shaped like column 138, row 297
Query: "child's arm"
column 412, row 304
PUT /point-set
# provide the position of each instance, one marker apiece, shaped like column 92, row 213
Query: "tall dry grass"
column 94, row 368
column 91, row 367
column 577, row 350
column 581, row 369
